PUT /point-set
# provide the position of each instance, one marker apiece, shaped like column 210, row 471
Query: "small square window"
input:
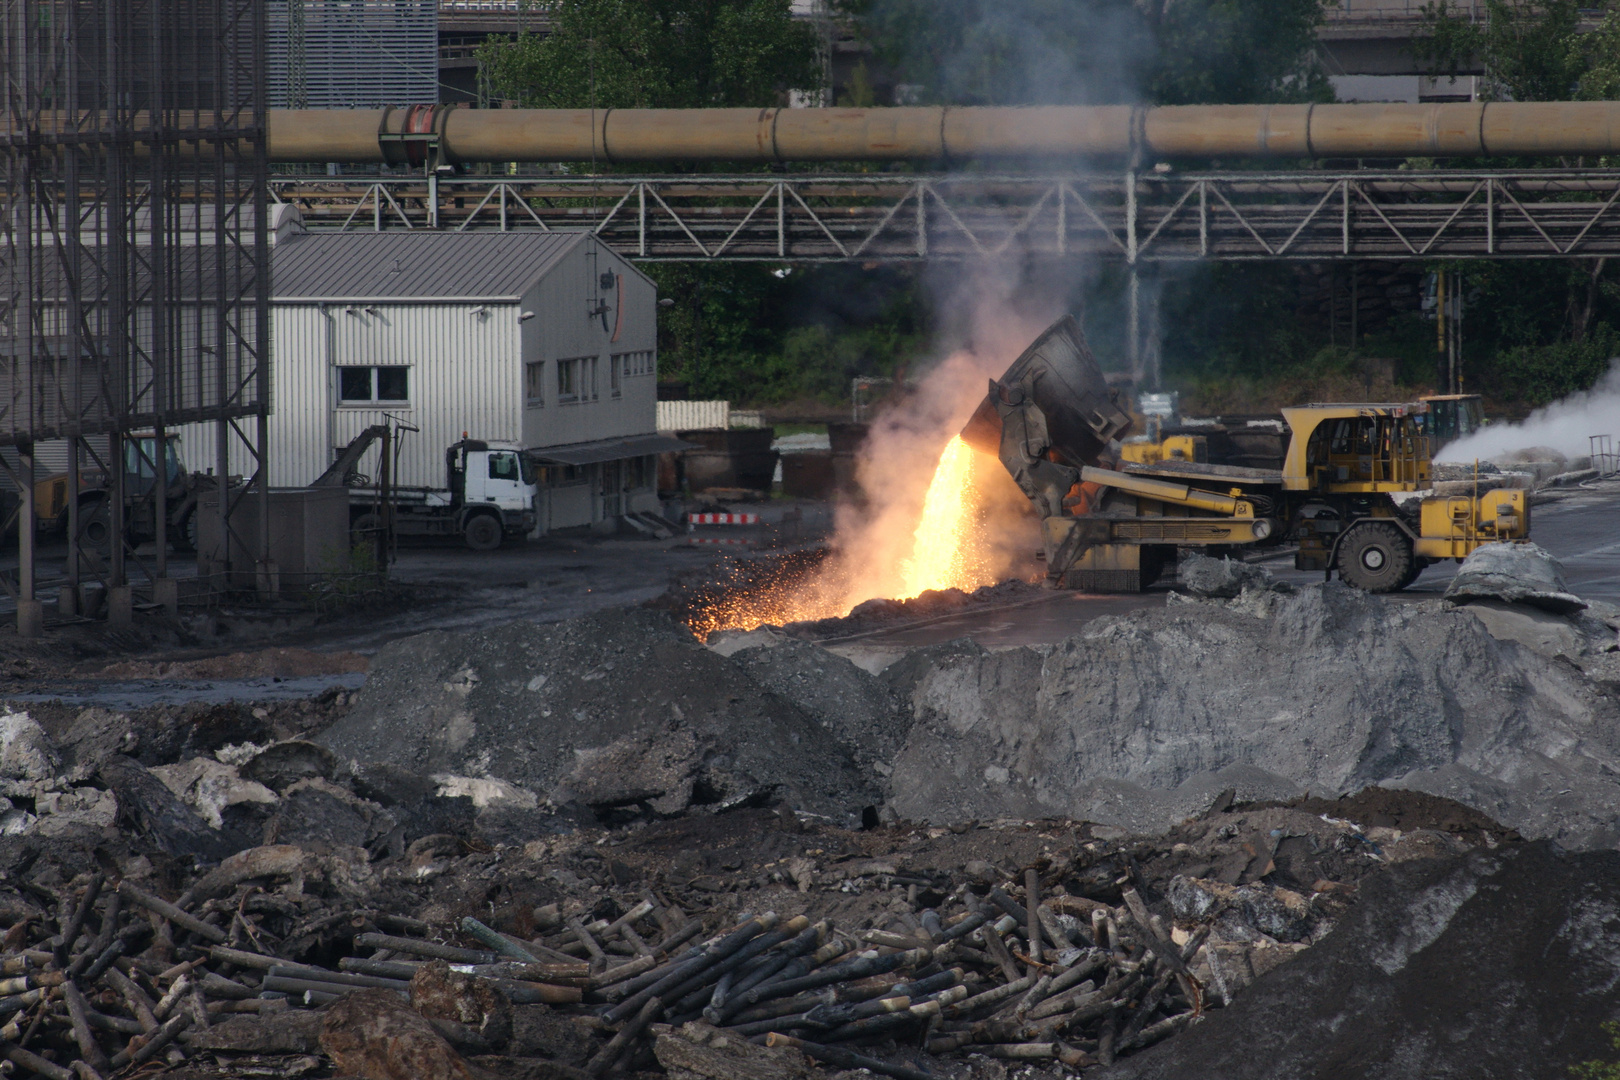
column 393, row 384
column 354, row 384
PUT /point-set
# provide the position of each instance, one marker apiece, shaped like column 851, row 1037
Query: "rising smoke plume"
column 1564, row 427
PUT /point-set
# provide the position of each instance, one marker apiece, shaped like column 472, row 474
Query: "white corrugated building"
column 545, row 339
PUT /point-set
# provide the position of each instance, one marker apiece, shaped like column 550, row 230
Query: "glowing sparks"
column 944, row 547
column 944, row 554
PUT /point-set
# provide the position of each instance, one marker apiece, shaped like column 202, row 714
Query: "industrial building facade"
column 345, row 54
column 544, row 339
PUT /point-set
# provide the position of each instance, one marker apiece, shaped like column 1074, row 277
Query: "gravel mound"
column 1204, row 576
column 1325, row 690
column 858, row 710
column 618, row 709
column 1516, row 573
column 1501, row 964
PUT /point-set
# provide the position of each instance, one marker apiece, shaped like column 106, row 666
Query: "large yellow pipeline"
column 948, row 133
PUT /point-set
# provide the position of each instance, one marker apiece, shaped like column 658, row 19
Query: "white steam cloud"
column 1564, row 427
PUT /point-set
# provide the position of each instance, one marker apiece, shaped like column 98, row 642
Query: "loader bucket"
column 1058, row 376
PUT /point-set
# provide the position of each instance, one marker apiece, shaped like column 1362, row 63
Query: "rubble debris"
column 283, row 764
column 861, row 712
column 1031, row 943
column 476, row 1007
column 1225, row 577
column 1324, row 689
column 697, row 1051
column 280, row 662
column 1517, row 948
column 375, row 1034
column 26, row 753
column 1519, row 573
column 147, row 805
column 562, row 710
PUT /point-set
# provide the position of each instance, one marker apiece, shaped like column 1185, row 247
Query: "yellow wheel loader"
column 1354, row 491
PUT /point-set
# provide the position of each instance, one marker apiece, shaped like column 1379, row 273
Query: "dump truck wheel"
column 483, row 533
column 1412, row 574
column 95, row 528
column 1376, row 558
column 184, row 534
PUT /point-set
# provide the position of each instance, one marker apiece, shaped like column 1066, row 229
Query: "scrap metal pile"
column 111, row 976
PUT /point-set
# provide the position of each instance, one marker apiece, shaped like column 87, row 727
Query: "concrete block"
column 166, row 591
column 67, row 601
column 120, row 606
column 30, row 618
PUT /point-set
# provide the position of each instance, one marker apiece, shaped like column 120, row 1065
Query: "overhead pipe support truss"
column 1150, row 217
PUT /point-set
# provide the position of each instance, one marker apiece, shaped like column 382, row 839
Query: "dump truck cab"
column 1449, row 417
column 1355, row 449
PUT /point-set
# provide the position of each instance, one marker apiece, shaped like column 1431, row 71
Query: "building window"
column 374, row 385
column 534, row 384
column 636, row 363
column 643, row 472
column 559, row 475
column 576, row 379
column 614, row 364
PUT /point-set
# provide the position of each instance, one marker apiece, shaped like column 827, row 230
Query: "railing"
column 1157, row 217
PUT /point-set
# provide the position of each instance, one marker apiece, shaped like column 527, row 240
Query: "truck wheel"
column 1376, row 558
column 184, row 534
column 483, row 533
column 95, row 528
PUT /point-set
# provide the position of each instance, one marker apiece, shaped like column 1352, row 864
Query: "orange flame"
column 944, row 554
column 949, row 549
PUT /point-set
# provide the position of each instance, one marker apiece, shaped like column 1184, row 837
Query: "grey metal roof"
column 415, row 265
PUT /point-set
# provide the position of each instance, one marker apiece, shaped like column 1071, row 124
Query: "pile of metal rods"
column 114, row 977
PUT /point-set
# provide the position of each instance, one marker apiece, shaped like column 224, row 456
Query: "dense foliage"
column 1535, row 330
column 672, row 54
column 1052, row 52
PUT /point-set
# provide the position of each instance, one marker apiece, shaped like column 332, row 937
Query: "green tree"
column 1226, row 52
column 671, row 54
column 1050, row 52
column 1601, row 1070
column 1530, row 52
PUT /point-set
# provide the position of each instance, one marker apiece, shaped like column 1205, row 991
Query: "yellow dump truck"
column 1354, row 491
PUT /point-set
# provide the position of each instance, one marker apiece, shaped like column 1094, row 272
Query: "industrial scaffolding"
column 134, row 274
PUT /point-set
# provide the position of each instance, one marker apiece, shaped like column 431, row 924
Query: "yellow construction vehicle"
column 1351, row 491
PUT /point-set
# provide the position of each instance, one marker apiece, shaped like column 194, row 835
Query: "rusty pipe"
column 611, row 136
column 400, row 136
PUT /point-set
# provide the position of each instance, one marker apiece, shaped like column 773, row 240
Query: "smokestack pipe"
column 613, row 136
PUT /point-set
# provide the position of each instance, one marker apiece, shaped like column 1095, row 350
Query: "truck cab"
column 1355, row 449
column 1450, row 417
column 492, row 480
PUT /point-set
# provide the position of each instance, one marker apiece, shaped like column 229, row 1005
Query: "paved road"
column 560, row 578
